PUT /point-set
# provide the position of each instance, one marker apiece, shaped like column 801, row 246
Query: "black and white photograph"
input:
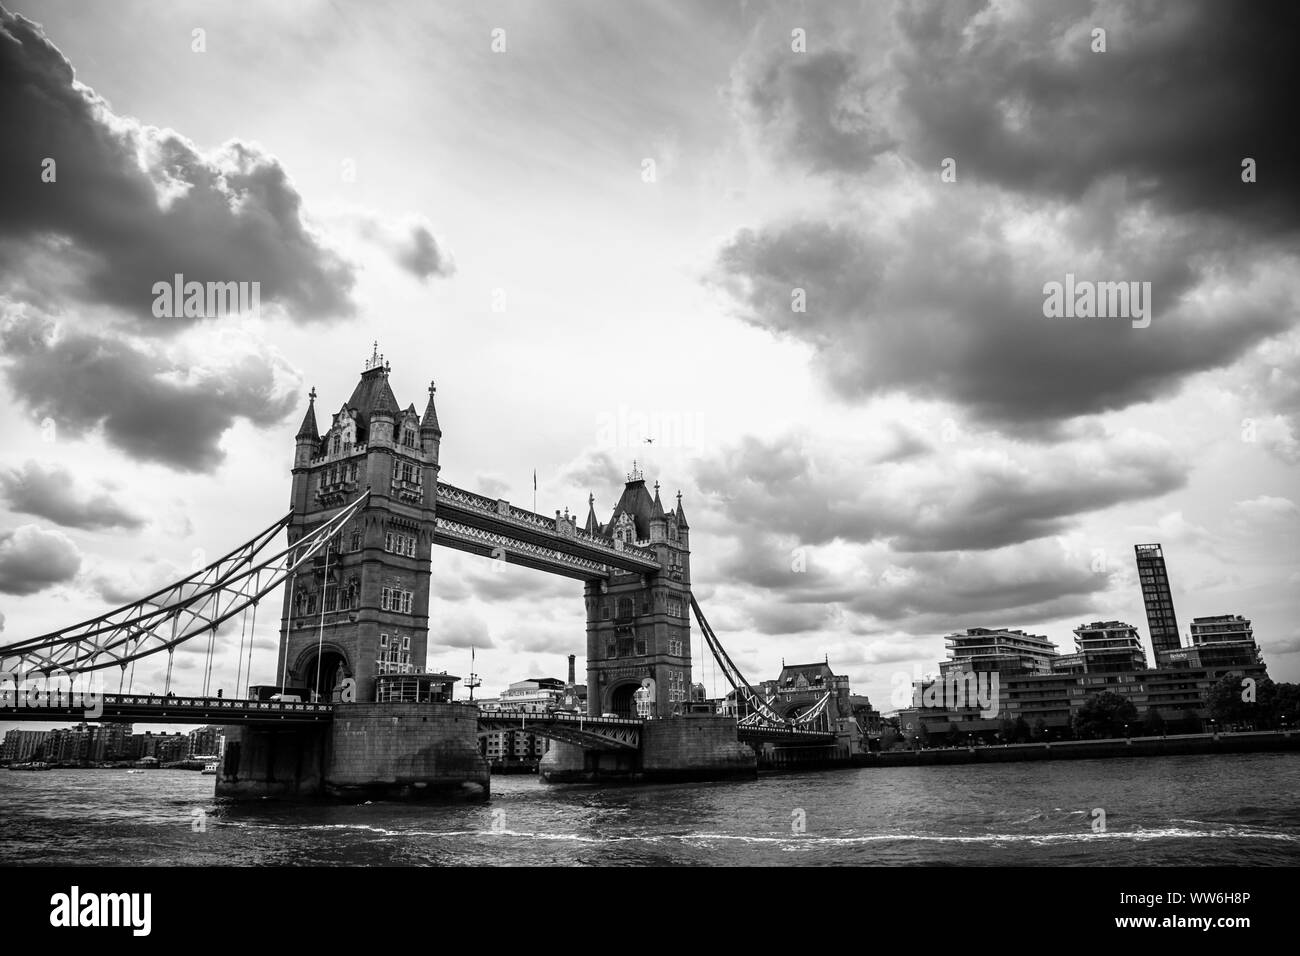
column 644, row 434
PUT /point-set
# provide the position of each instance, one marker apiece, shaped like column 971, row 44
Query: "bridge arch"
column 620, row 698
column 334, row 667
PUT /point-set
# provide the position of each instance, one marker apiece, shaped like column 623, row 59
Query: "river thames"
column 1193, row 810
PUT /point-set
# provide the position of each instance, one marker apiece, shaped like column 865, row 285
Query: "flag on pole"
column 534, row 479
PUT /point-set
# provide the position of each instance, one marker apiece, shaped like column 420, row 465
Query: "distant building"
column 1005, row 651
column 21, row 746
column 205, row 742
column 1103, row 647
column 535, row 695
column 1158, row 598
column 868, row 717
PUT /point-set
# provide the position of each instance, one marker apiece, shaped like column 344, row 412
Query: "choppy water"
column 1197, row 810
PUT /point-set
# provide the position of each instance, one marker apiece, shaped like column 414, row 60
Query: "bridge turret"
column 307, row 441
column 683, row 529
column 430, row 430
column 658, row 520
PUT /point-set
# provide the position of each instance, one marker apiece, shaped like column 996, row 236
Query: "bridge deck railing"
column 519, row 516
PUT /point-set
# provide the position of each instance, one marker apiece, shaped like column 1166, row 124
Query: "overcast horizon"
column 805, row 249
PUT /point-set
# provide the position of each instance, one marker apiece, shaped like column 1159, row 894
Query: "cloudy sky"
column 724, row 226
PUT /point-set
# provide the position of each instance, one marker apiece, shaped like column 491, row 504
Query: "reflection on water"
column 1242, row 809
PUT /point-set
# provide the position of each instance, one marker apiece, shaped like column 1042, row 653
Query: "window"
column 604, row 612
column 383, row 640
column 611, row 651
column 388, row 541
column 675, row 648
column 395, row 599
column 334, row 446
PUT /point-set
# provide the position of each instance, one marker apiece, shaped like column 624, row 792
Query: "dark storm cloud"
column 975, row 500
column 817, row 109
column 1115, row 166
column 1182, row 94
column 133, row 205
column 32, row 559
column 944, row 307
column 148, row 404
column 51, row 492
column 1013, row 586
column 419, row 254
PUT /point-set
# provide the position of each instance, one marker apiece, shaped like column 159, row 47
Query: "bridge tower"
column 638, row 624
column 362, row 609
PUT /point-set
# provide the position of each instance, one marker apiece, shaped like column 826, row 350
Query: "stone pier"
column 693, row 747
column 370, row 751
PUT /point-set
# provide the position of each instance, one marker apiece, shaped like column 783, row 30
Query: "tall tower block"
column 638, row 625
column 362, row 607
column 1159, row 600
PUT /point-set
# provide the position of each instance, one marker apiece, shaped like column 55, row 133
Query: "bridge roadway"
column 596, row 733
column 495, row 528
column 151, row 709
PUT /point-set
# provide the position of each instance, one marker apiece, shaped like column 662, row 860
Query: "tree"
column 1284, row 706
column 1154, row 725
column 1104, row 715
column 1224, row 704
column 1020, row 731
column 1007, row 730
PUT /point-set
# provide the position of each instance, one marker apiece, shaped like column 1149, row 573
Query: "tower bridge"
column 367, row 507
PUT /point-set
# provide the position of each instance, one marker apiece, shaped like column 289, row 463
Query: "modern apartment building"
column 998, row 649
column 1158, row 598
column 1103, row 647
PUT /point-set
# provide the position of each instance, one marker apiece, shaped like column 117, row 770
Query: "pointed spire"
column 681, row 515
column 657, row 511
column 308, row 427
column 592, row 526
column 430, row 423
